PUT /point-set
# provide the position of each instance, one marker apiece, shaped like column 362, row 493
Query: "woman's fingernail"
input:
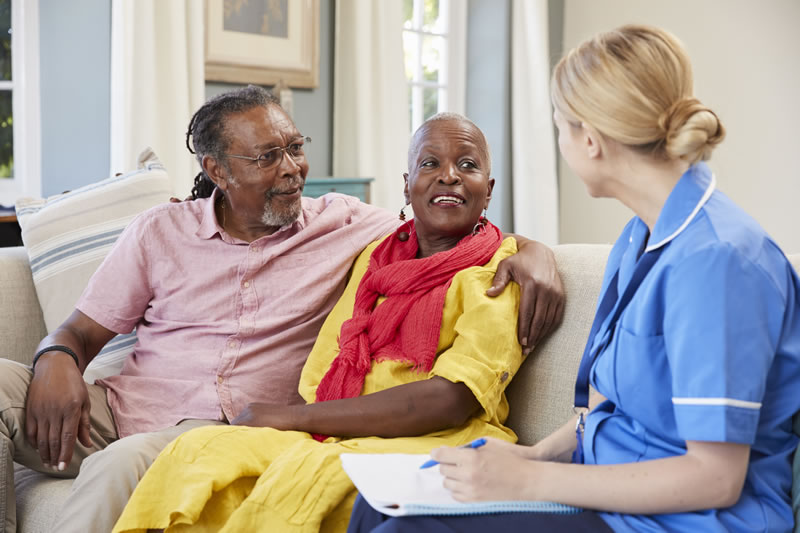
column 61, row 466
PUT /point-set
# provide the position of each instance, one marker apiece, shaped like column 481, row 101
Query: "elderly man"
column 227, row 295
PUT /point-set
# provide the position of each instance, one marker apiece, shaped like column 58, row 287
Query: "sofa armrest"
column 22, row 326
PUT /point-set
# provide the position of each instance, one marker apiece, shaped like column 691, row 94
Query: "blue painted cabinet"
column 358, row 187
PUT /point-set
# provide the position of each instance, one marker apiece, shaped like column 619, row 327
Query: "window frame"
column 454, row 66
column 24, row 86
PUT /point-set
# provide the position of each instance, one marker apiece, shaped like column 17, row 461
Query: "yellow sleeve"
column 326, row 348
column 478, row 344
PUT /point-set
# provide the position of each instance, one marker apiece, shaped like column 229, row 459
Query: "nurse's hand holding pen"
column 496, row 471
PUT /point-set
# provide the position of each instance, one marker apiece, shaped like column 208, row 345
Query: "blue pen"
column 477, row 443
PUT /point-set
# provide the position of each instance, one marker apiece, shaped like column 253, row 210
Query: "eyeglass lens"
column 274, row 156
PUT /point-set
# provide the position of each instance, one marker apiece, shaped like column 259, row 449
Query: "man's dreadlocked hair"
column 207, row 129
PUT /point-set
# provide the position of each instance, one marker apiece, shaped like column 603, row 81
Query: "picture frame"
column 263, row 42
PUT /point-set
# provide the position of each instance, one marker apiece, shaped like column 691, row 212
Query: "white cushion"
column 68, row 235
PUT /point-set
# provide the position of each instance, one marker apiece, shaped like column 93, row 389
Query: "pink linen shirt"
column 221, row 323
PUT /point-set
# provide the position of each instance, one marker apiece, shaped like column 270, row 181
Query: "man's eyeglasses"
column 273, row 157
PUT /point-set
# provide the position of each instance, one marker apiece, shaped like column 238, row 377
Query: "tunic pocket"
column 642, row 379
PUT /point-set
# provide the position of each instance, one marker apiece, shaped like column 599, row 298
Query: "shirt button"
column 232, row 344
column 220, row 379
column 246, row 284
column 504, row 377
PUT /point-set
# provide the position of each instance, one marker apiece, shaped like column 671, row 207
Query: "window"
column 19, row 100
column 434, row 44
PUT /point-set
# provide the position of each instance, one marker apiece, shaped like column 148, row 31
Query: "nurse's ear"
column 592, row 141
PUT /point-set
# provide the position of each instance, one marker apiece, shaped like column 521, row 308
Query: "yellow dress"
column 237, row 478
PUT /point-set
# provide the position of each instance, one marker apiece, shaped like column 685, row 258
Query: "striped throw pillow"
column 67, row 236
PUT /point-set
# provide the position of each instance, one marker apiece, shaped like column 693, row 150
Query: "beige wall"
column 746, row 57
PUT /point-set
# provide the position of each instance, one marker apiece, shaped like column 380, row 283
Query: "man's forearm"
column 79, row 333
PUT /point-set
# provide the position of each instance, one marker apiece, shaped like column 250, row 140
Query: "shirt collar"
column 209, row 225
column 684, row 202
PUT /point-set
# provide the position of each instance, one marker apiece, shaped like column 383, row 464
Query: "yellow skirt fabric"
column 235, row 479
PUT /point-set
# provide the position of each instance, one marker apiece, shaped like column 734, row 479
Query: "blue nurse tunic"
column 708, row 349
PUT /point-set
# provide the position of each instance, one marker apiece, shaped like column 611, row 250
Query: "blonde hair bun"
column 634, row 85
column 691, row 130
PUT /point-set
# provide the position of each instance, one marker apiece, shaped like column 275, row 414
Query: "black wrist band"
column 55, row 348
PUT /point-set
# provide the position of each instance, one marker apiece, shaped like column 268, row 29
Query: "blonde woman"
column 695, row 350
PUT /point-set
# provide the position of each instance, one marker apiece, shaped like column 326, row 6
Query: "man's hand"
column 267, row 415
column 57, row 410
column 174, row 200
column 541, row 305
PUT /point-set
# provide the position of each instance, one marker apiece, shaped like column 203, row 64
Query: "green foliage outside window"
column 6, row 115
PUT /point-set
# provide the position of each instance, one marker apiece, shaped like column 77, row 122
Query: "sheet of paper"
column 395, row 479
column 394, row 485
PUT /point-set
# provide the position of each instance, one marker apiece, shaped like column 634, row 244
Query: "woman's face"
column 448, row 183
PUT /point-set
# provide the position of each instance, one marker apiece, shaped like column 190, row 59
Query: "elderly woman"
column 413, row 356
column 695, row 350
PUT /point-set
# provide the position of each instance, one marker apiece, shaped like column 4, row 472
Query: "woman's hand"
column 267, row 415
column 541, row 304
column 496, row 471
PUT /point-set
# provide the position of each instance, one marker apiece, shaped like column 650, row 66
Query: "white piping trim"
column 717, row 401
column 700, row 204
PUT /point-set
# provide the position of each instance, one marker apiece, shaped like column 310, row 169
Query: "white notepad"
column 394, row 485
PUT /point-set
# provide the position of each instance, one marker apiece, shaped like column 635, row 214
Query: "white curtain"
column 157, row 82
column 370, row 99
column 533, row 155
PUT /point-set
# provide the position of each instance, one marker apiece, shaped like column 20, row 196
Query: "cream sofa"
column 540, row 396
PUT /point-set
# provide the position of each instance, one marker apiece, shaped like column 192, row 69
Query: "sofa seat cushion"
column 39, row 499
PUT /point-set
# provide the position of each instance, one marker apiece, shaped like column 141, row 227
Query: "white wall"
column 746, row 58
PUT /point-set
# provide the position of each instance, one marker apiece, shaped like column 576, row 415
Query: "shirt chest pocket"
column 295, row 284
column 635, row 371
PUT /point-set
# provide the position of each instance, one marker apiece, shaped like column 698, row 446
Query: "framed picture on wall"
column 263, row 42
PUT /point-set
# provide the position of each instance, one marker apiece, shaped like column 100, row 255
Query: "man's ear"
column 213, row 170
column 489, row 190
column 405, row 188
column 593, row 142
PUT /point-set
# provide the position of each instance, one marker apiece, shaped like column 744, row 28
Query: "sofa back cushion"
column 67, row 236
column 541, row 394
column 22, row 326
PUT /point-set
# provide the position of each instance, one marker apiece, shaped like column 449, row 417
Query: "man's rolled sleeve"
column 119, row 291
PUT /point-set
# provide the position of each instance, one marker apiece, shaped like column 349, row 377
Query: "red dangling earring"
column 481, row 224
column 402, row 236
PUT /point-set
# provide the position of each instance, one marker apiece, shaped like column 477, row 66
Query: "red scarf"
column 405, row 327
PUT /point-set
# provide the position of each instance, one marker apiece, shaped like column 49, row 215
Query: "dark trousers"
column 366, row 519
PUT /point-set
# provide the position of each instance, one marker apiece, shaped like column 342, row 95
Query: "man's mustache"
column 291, row 185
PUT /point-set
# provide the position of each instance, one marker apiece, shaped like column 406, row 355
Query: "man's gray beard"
column 274, row 218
